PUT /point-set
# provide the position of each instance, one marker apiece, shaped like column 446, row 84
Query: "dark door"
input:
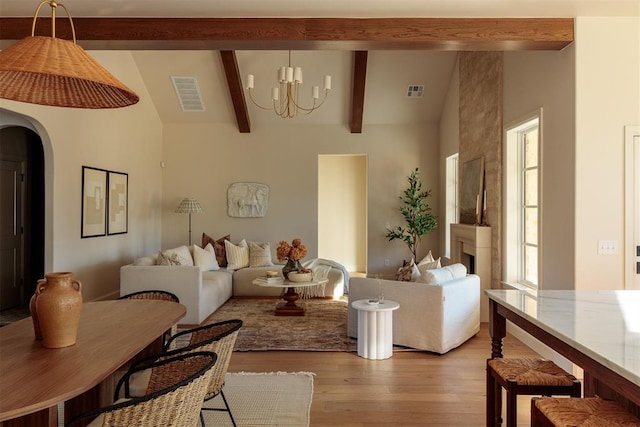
column 11, row 227
column 21, row 215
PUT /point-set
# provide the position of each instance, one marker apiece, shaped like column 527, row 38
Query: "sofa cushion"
column 218, row 247
column 205, row 258
column 237, row 255
column 147, row 260
column 424, row 266
column 444, row 274
column 259, row 254
column 175, row 256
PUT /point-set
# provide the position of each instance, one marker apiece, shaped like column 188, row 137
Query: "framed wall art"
column 118, row 203
column 94, row 198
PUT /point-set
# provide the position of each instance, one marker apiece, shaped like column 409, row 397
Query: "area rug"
column 264, row 399
column 322, row 328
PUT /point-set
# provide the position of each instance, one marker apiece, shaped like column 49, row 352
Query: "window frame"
column 514, row 206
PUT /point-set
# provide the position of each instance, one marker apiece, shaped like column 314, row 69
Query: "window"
column 452, row 211
column 522, row 178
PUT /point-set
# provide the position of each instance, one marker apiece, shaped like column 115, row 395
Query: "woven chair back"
column 177, row 388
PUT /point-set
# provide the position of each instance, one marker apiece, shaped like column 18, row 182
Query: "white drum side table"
column 375, row 328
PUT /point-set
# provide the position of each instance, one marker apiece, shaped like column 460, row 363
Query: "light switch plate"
column 607, row 247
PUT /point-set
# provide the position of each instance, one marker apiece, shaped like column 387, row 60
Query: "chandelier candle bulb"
column 250, row 81
column 289, row 74
column 297, row 74
column 275, row 94
column 315, row 92
column 281, row 74
column 327, row 82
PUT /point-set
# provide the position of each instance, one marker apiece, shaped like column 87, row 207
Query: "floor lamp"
column 189, row 205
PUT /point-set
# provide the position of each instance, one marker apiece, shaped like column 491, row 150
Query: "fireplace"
column 471, row 246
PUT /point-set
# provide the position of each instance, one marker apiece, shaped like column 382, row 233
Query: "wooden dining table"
column 599, row 331
column 35, row 379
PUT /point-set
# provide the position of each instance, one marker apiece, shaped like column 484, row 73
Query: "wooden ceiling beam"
column 230, row 64
column 303, row 33
column 357, row 95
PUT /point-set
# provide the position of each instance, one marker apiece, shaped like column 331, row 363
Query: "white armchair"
column 431, row 317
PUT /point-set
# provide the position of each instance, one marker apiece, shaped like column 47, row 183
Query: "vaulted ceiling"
column 371, row 60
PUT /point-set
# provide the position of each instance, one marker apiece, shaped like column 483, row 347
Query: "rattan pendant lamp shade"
column 57, row 72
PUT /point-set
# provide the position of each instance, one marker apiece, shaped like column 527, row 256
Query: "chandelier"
column 57, row 72
column 286, row 96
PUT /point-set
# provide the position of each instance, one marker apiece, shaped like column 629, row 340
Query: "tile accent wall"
column 481, row 134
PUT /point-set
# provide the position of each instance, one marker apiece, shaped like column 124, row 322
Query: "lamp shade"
column 189, row 205
column 57, row 72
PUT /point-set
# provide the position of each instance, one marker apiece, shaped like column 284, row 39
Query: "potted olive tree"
column 417, row 215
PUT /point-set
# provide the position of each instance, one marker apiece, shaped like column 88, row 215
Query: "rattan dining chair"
column 173, row 397
column 156, row 295
column 217, row 337
column 224, row 334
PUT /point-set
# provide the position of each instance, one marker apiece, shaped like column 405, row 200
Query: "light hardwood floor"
column 411, row 388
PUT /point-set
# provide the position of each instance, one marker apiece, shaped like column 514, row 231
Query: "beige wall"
column 449, row 141
column 547, row 79
column 342, row 233
column 203, row 160
column 107, row 139
column 607, row 99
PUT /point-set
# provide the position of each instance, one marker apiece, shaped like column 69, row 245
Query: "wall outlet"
column 607, row 247
column 386, row 263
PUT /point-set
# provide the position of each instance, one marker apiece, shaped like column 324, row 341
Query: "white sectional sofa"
column 434, row 317
column 202, row 292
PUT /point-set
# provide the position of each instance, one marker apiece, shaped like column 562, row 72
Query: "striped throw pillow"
column 237, row 255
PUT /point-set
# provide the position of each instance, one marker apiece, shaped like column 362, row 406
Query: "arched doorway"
column 22, row 214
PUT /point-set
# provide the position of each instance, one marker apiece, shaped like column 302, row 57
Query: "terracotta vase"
column 291, row 265
column 34, row 316
column 58, row 306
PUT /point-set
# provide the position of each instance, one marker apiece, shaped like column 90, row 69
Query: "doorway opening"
column 22, row 216
column 632, row 207
column 342, row 210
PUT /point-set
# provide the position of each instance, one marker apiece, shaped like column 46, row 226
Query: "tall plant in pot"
column 419, row 220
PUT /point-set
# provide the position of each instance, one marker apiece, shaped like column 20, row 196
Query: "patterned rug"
column 322, row 328
column 264, row 399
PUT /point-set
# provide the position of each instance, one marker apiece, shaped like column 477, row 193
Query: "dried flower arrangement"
column 295, row 251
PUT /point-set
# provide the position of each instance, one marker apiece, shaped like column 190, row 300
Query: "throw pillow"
column 147, row 260
column 424, row 266
column 168, row 259
column 218, row 247
column 259, row 254
column 444, row 274
column 404, row 273
column 205, row 258
column 175, row 256
column 427, row 258
column 237, row 255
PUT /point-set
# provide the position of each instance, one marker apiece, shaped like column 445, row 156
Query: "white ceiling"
column 334, row 8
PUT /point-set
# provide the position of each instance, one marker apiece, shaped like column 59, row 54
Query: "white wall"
column 547, row 79
column 203, row 160
column 607, row 99
column 125, row 140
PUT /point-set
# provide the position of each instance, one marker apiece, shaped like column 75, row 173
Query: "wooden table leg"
column 290, row 308
column 497, row 332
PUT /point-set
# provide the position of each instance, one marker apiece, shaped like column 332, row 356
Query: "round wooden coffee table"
column 289, row 307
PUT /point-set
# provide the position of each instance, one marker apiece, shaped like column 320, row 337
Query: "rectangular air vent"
column 415, row 91
column 188, row 93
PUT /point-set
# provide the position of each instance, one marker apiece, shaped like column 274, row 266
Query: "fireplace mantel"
column 471, row 246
